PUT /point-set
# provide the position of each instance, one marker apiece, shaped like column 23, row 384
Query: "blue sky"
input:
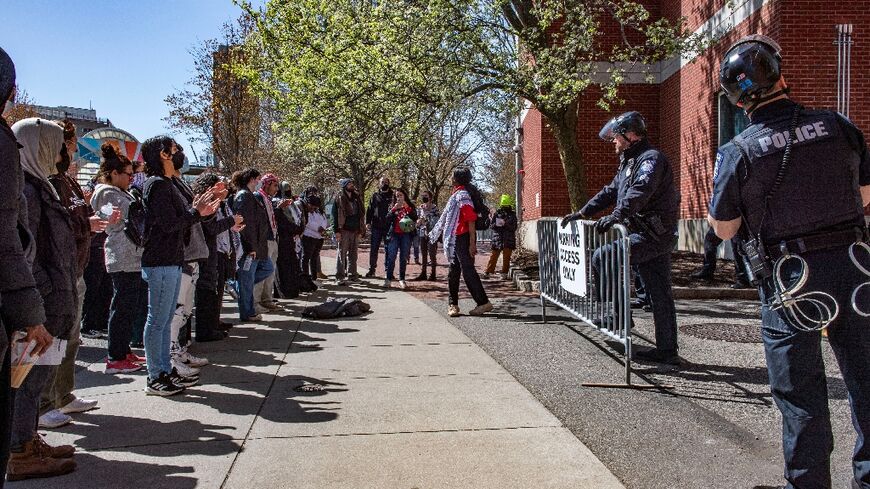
column 121, row 56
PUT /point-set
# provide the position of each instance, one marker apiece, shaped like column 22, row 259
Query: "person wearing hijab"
column 504, row 236
column 54, row 268
column 21, row 306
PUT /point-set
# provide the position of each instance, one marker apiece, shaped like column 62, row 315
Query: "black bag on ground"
column 337, row 308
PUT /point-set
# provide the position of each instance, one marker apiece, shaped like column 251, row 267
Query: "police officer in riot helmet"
column 646, row 200
column 792, row 187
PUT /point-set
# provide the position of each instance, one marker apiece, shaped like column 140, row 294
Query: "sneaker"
column 184, row 369
column 60, row 451
column 134, row 358
column 253, row 319
column 453, row 311
column 703, row 273
column 371, row 274
column 403, row 284
column 162, row 386
column 355, row 279
column 271, row 306
column 124, row 366
column 137, row 344
column 657, row 356
column 34, row 462
column 54, row 419
column 340, row 282
column 387, row 283
column 481, row 309
column 183, row 380
column 486, row 275
column 322, row 276
column 189, row 359
column 92, row 334
column 79, row 405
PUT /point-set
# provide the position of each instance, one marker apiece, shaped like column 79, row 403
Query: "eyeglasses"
column 128, row 173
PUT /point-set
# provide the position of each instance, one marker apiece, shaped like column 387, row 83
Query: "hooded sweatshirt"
column 20, row 301
column 121, row 254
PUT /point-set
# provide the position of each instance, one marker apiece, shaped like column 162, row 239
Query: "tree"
column 22, row 107
column 220, row 110
column 410, row 54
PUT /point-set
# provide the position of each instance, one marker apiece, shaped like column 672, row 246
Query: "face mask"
column 138, row 180
column 178, row 160
column 385, row 188
column 425, row 199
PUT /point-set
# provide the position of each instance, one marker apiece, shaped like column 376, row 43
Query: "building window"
column 732, row 120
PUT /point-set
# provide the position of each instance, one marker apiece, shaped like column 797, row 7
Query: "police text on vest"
column 802, row 133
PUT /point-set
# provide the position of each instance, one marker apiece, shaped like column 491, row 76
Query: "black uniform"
column 815, row 213
column 647, row 200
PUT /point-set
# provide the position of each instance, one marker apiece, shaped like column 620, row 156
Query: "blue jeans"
column 399, row 244
column 259, row 271
column 163, row 286
column 797, row 373
column 415, row 245
column 378, row 235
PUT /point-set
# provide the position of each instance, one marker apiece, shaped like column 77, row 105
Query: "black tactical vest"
column 819, row 191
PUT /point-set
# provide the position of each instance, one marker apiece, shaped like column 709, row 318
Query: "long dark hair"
column 408, row 200
column 112, row 161
column 151, row 149
column 243, row 177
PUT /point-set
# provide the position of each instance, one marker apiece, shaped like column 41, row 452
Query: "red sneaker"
column 134, row 358
column 121, row 366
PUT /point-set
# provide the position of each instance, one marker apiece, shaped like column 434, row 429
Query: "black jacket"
column 55, row 266
column 208, row 268
column 20, row 301
column 255, row 236
column 379, row 206
column 167, row 217
column 504, row 236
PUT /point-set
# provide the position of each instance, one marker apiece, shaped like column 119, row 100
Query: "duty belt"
column 817, row 242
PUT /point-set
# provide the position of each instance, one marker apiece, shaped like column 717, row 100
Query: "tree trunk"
column 564, row 127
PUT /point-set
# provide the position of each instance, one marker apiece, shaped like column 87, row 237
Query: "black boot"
column 421, row 277
column 703, row 273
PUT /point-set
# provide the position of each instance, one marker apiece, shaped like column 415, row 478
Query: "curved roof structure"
column 88, row 155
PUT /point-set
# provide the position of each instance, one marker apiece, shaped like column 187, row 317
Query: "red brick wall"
column 531, row 164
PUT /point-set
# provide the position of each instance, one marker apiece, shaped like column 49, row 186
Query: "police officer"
column 648, row 202
column 794, row 184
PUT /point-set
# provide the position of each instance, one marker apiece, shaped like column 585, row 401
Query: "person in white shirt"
column 312, row 237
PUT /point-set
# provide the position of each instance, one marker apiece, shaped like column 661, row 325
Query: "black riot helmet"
column 623, row 123
column 750, row 68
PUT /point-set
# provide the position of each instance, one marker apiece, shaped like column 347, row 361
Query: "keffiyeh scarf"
column 449, row 220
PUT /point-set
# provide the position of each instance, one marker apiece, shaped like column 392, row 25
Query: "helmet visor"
column 606, row 133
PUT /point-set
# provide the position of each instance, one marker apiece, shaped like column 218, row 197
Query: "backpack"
column 483, row 221
column 134, row 223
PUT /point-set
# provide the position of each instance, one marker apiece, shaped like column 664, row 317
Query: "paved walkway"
column 408, row 402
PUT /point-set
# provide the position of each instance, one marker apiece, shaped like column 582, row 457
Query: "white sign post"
column 572, row 258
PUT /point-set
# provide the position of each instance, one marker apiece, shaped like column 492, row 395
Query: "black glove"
column 571, row 217
column 605, row 223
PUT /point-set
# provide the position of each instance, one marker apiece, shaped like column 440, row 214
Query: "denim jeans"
column 25, row 405
column 399, row 244
column 128, row 302
column 652, row 261
column 797, row 373
column 415, row 245
column 259, row 271
column 163, row 285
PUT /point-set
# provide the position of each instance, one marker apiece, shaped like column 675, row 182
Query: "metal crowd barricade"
column 606, row 306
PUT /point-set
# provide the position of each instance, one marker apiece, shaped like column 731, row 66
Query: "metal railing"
column 607, row 303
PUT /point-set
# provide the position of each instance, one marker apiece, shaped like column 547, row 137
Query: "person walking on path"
column 428, row 218
column 504, row 236
column 402, row 227
column 254, row 264
column 457, row 228
column 376, row 221
column 347, row 218
column 123, row 263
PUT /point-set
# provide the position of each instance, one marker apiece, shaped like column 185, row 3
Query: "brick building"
column 687, row 115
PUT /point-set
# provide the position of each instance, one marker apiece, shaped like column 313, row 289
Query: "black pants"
column 129, row 301
column 208, row 297
column 311, row 255
column 5, row 409
column 463, row 264
column 430, row 254
column 711, row 246
column 98, row 295
column 287, row 268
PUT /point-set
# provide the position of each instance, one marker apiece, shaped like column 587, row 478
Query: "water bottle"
column 246, row 265
column 105, row 212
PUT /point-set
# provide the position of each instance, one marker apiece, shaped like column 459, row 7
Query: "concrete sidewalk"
column 408, row 401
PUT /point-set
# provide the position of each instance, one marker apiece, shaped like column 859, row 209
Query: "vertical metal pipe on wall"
column 518, row 163
column 844, row 67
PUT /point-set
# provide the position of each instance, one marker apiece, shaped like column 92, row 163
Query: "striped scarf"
column 449, row 220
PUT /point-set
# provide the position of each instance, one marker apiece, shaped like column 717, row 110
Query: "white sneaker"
column 402, row 284
column 54, row 419
column 183, row 369
column 79, row 406
column 186, row 357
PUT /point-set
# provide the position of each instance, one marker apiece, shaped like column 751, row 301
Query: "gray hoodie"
column 121, row 254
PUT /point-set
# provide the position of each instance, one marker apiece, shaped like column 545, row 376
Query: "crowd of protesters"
column 143, row 257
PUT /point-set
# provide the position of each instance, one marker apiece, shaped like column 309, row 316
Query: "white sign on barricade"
column 572, row 259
